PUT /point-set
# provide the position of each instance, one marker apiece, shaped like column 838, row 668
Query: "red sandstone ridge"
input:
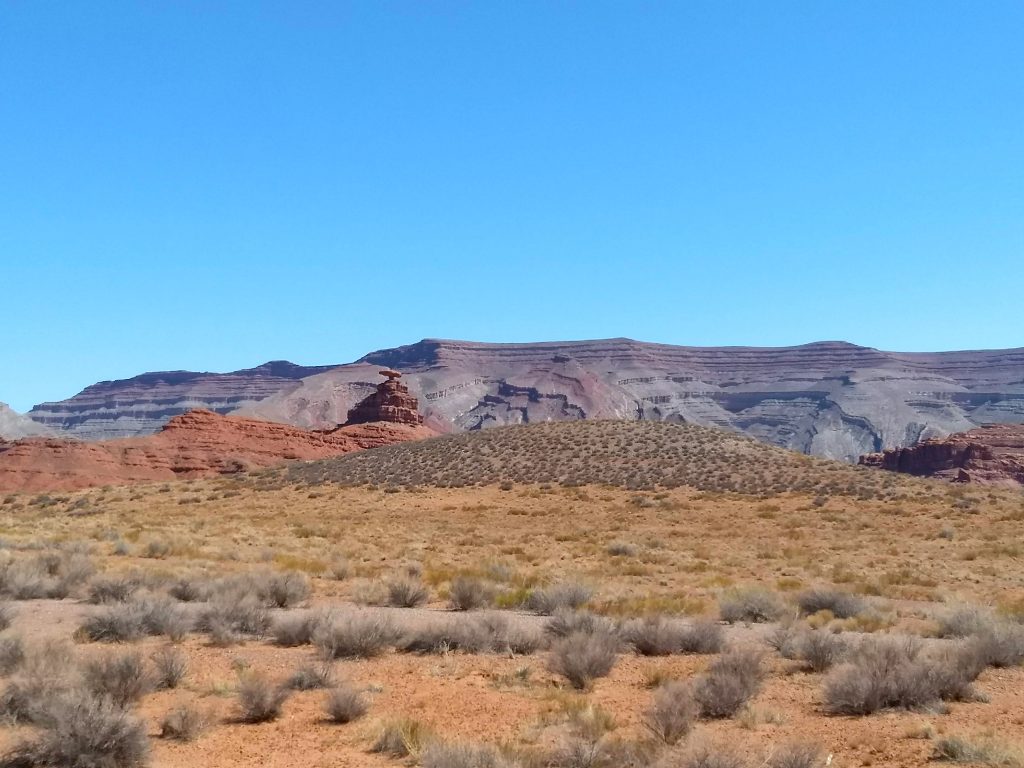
column 195, row 444
column 992, row 454
column 391, row 402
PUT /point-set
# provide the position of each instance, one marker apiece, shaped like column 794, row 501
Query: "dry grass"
column 224, row 561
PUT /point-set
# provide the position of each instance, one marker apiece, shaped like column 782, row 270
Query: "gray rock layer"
column 143, row 404
column 830, row 399
column 14, row 425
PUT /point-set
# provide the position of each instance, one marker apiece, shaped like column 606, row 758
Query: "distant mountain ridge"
column 832, row 399
column 14, row 425
column 144, row 403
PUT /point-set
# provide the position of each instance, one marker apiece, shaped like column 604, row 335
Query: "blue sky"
column 210, row 185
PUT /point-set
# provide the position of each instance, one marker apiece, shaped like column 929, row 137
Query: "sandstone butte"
column 992, row 454
column 202, row 443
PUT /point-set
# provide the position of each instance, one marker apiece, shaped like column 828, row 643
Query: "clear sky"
column 210, row 185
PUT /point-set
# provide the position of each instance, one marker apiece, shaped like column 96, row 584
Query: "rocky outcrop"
column 143, row 404
column 195, row 444
column 992, row 454
column 14, row 425
column 391, row 402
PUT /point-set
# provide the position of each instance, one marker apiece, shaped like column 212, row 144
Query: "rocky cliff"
column 195, row 444
column 829, row 398
column 992, row 454
column 142, row 404
column 14, row 425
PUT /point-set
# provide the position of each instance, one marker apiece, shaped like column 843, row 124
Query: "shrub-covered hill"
column 630, row 454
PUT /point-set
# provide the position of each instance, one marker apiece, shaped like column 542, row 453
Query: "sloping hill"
column 641, row 455
column 14, row 425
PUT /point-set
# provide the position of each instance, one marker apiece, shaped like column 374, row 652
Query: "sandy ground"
column 912, row 558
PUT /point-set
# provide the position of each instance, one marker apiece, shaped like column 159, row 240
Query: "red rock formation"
column 391, row 402
column 195, row 444
column 991, row 454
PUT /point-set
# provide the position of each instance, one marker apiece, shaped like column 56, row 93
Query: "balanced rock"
column 391, row 402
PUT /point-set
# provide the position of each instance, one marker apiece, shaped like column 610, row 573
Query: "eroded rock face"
column 828, row 399
column 391, row 403
column 992, row 454
column 143, row 404
column 14, row 425
column 195, row 444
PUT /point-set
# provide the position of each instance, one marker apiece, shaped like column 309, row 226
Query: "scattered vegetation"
column 260, row 700
column 184, row 723
column 344, row 704
column 751, row 604
column 581, row 657
column 731, row 681
column 673, row 712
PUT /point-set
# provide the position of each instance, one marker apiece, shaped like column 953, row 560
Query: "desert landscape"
column 487, row 600
column 529, row 384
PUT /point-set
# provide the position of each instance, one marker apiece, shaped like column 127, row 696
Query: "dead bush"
column 787, row 639
column 566, row 621
column 569, row 594
column 842, row 605
column 653, row 636
column 751, row 605
column 295, row 630
column 286, row 590
column 797, row 755
column 731, row 681
column 120, row 676
column 894, row 673
column 184, row 723
column 468, row 594
column 582, row 657
column 47, row 672
column 702, row 637
column 403, row 738
column 171, row 666
column 441, row 755
column 191, row 589
column 339, row 568
column 706, row 755
column 260, row 700
column 356, row 635
column 7, row 614
column 82, row 731
column 488, row 632
column 965, row 621
column 12, row 653
column 673, row 712
column 822, row 650
column 161, row 616
column 112, row 589
column 235, row 612
column 999, row 645
column 311, row 677
column 117, row 624
column 407, row 592
column 345, row 704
